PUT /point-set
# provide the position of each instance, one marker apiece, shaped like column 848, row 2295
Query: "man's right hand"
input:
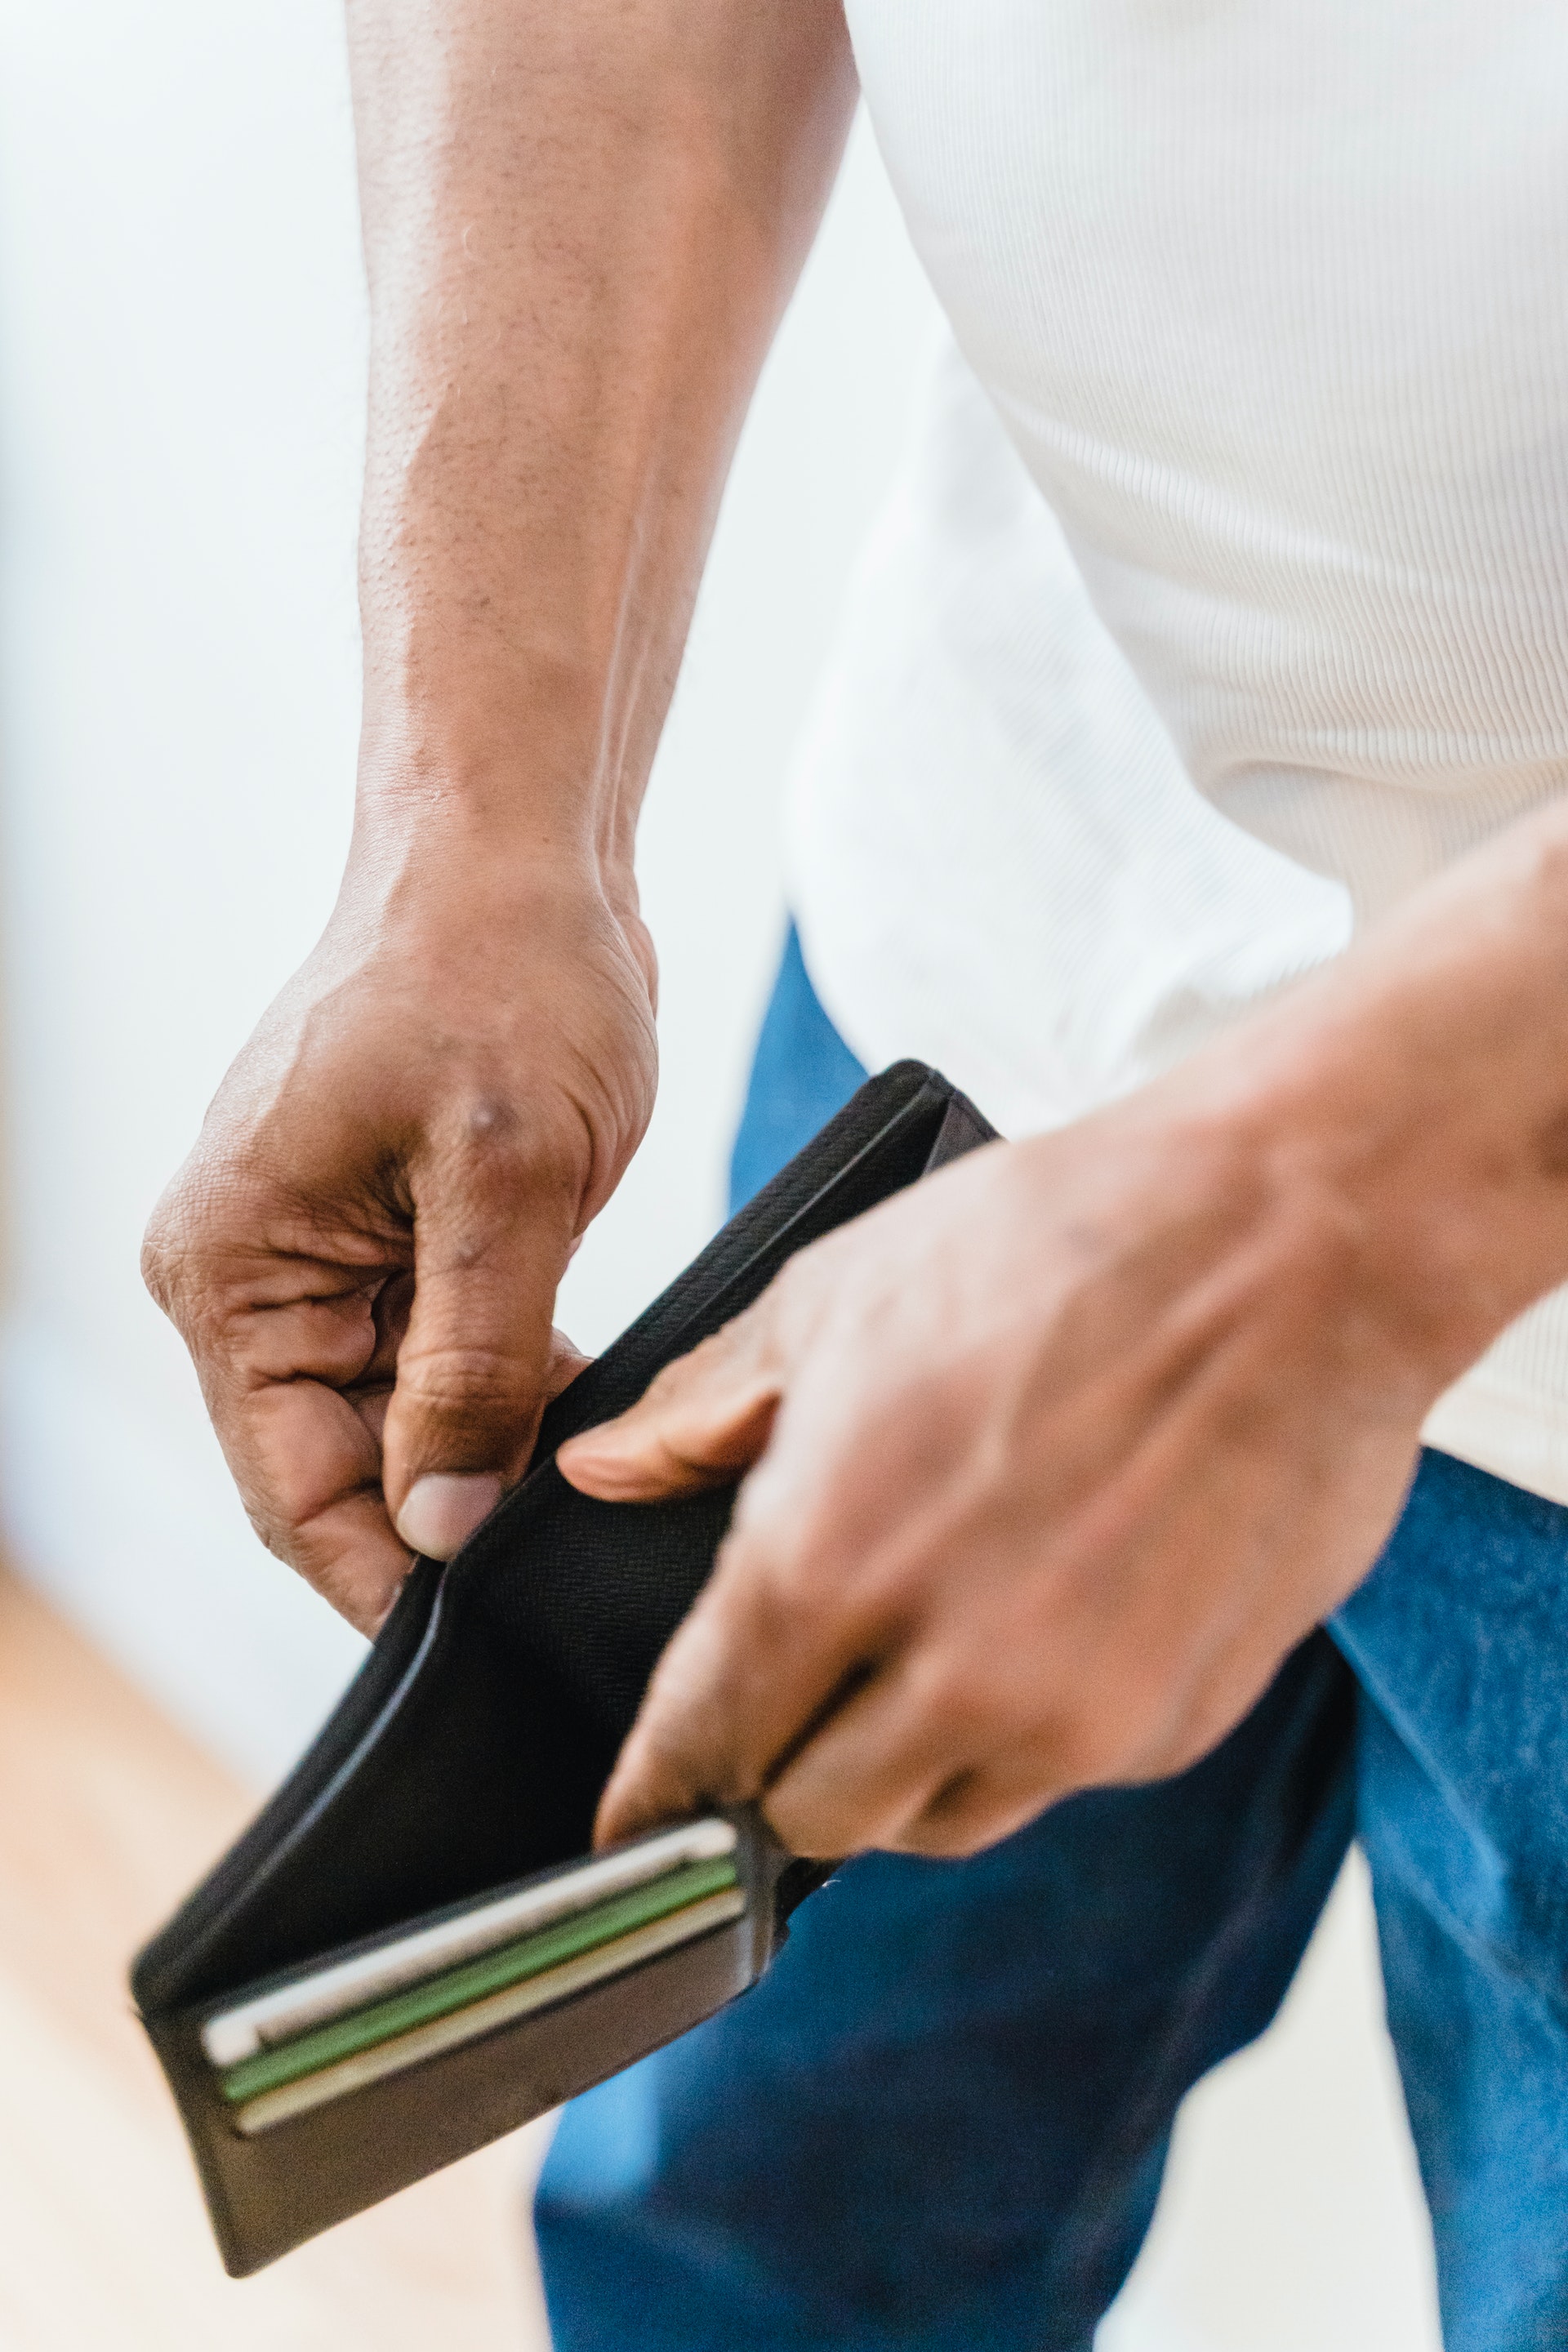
column 363, row 1250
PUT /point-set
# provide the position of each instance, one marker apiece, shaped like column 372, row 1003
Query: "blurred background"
column 182, row 340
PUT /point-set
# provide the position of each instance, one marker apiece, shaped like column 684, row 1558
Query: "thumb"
column 479, row 1358
column 705, row 1418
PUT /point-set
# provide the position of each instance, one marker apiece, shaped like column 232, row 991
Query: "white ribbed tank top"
column 1252, row 477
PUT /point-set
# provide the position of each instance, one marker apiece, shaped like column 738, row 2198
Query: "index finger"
column 308, row 1465
column 298, row 1389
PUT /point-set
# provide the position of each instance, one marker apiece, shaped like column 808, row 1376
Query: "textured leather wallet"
column 405, row 1956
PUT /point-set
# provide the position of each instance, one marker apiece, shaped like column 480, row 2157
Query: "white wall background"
column 181, row 356
column 181, row 348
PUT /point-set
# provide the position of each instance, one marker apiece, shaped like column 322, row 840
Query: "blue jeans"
column 940, row 2123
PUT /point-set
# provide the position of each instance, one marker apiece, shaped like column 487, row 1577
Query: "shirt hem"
column 1497, row 1425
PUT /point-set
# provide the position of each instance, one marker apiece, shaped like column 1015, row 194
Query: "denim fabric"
column 802, row 1073
column 1459, row 1640
column 939, row 2125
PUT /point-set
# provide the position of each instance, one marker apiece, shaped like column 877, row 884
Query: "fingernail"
column 442, row 1509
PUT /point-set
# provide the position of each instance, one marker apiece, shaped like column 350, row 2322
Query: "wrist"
column 433, row 881
column 1417, row 1092
column 441, row 794
column 1400, row 1212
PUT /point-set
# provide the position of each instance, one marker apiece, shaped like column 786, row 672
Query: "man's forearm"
column 582, row 222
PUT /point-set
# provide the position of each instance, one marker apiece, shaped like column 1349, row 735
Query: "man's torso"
column 1273, row 302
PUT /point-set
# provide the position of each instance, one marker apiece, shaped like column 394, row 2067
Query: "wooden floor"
column 106, row 1817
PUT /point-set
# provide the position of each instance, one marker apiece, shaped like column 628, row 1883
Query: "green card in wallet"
column 412, row 1950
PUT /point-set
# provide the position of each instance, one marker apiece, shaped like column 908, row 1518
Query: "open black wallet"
column 411, row 1950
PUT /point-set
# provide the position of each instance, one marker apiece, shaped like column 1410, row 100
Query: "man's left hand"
column 1057, row 1455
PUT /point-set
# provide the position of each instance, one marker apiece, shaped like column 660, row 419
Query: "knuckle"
column 159, row 1263
column 1079, row 1758
column 490, row 1137
column 675, row 1380
column 209, row 1220
column 1092, row 1749
column 270, row 1522
column 719, row 1358
column 782, row 1576
column 962, row 1697
column 793, row 1299
column 951, row 1826
column 763, row 1583
column 492, row 1145
column 454, row 1382
column 169, row 1251
column 274, row 1533
column 938, row 1841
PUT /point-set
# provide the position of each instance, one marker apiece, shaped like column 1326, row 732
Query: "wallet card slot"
column 271, row 2108
column 454, row 1989
column 240, row 2031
